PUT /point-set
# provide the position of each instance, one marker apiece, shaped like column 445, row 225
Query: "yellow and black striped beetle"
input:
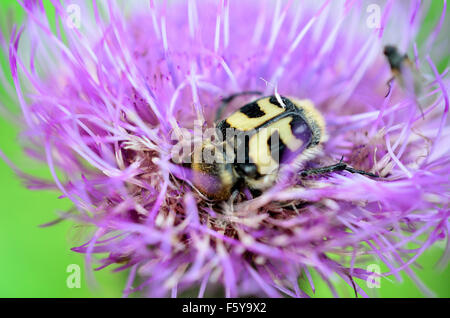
column 256, row 140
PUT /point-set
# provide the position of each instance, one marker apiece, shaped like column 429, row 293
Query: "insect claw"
column 389, row 84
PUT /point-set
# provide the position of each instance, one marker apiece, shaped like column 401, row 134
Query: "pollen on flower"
column 119, row 109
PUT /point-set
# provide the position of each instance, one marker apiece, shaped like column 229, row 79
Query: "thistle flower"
column 102, row 102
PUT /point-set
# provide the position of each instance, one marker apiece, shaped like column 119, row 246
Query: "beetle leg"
column 389, row 84
column 340, row 166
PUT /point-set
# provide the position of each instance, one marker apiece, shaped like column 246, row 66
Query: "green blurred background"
column 34, row 260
